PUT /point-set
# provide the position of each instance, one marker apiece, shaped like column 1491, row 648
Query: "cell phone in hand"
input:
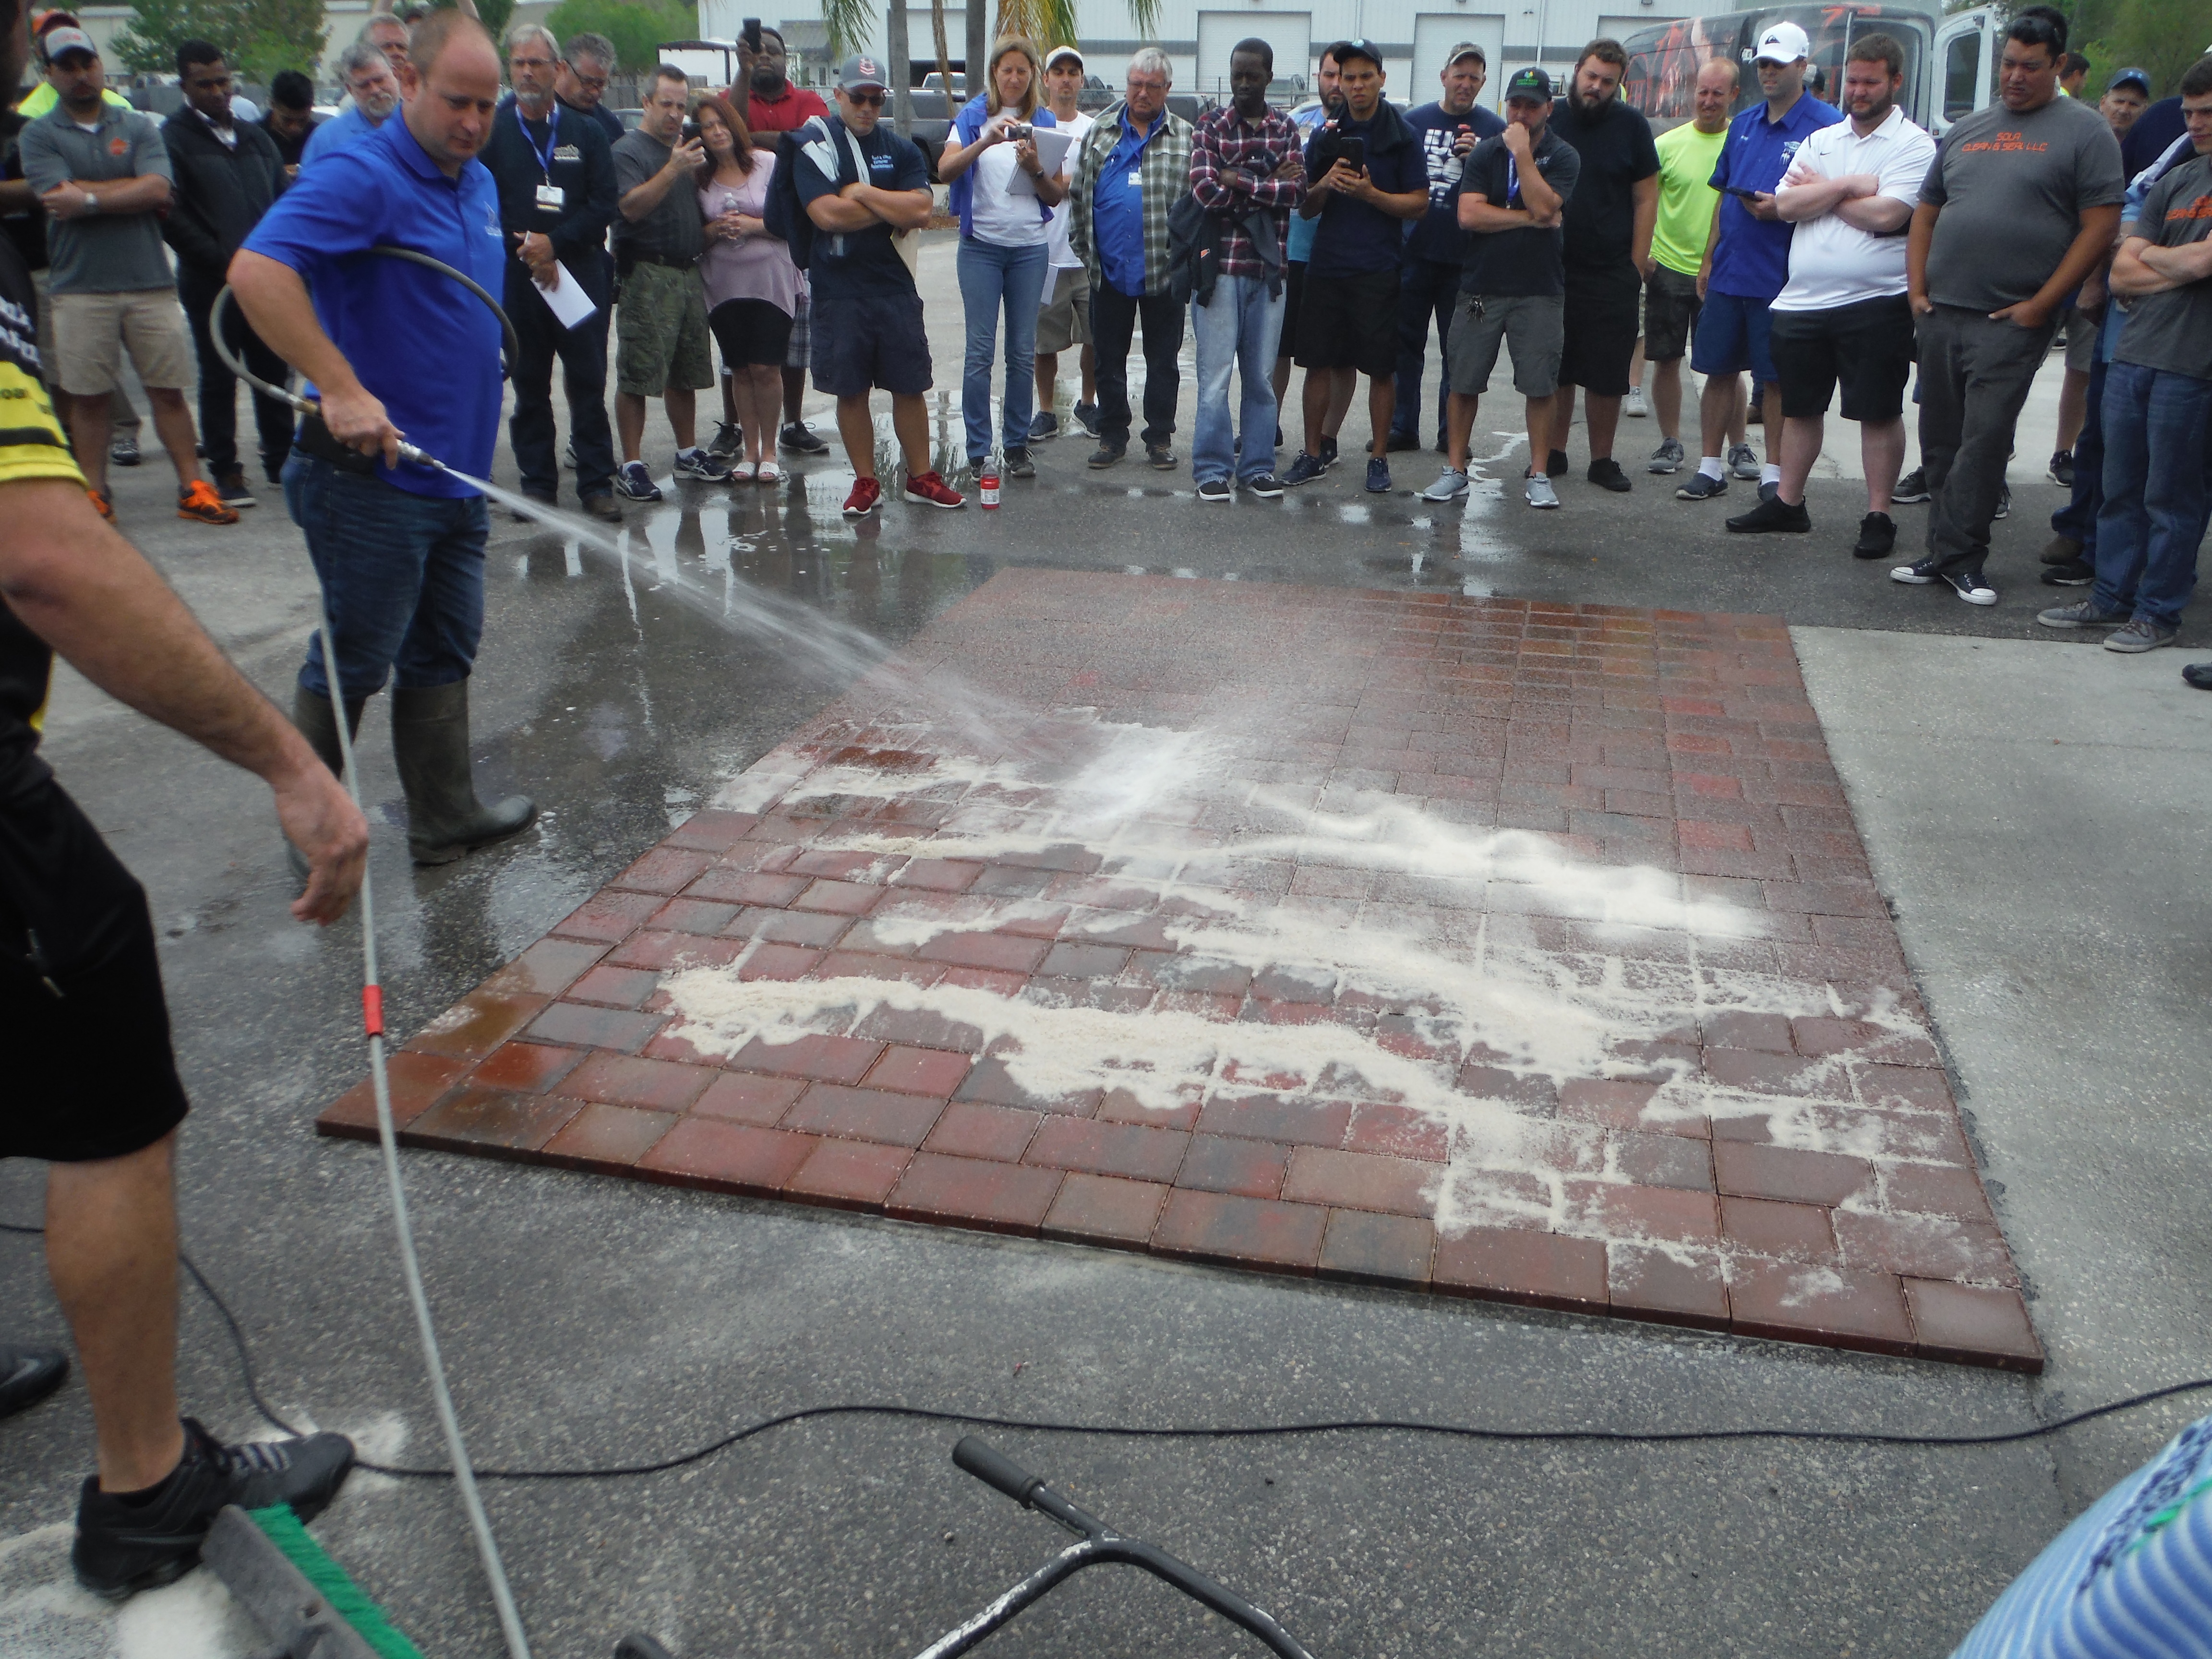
column 1745, row 195
column 750, row 34
column 1352, row 152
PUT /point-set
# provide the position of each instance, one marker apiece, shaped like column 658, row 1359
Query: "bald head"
column 450, row 84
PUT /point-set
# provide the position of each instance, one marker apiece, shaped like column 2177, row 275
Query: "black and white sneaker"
column 1921, row 572
column 28, row 1375
column 1701, row 487
column 1912, row 488
column 633, row 480
column 1327, row 456
column 2077, row 572
column 1086, row 416
column 2004, row 502
column 799, row 438
column 123, row 450
column 729, row 440
column 696, row 463
column 1268, row 487
column 2062, row 468
column 1970, row 586
column 1216, row 489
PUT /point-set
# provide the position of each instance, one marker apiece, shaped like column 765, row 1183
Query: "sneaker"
column 1268, row 487
column 1743, row 463
column 1770, row 490
column 1772, row 514
column 1555, row 463
column 1018, row 464
column 123, row 450
column 1633, row 405
column 1756, row 414
column 631, row 479
column 729, row 440
column 1970, row 586
column 1912, row 488
column 1537, row 491
column 1605, row 474
column 1161, row 458
column 568, row 456
column 1108, row 454
column 1044, row 427
column 2083, row 613
column 2004, row 503
column 605, row 509
column 1402, row 440
column 1305, row 469
column 1920, row 573
column 2074, row 573
column 2140, row 634
column 197, row 500
column 1378, row 474
column 1701, row 487
column 2061, row 469
column 103, row 501
column 2061, row 549
column 799, row 438
column 123, row 1547
column 233, row 490
column 1877, row 537
column 696, row 463
column 1086, row 416
column 1216, row 489
column 1667, row 457
column 928, row 490
column 1327, row 453
column 867, row 494
column 2198, row 674
column 28, row 1375
column 1450, row 485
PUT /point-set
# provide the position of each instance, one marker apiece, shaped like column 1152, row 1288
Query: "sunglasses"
column 871, row 99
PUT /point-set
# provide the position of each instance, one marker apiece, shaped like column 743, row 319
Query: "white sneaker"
column 1540, row 492
column 1450, row 485
column 1633, row 404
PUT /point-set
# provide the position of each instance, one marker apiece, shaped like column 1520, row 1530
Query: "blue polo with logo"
column 419, row 341
column 1751, row 258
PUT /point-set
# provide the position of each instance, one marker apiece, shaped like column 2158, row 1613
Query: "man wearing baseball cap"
column 862, row 185
column 1064, row 317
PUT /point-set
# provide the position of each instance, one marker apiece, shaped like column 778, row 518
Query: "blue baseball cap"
column 2131, row 77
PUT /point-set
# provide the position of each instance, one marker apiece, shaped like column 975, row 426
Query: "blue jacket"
column 968, row 126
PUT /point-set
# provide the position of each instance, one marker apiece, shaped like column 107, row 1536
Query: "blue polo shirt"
column 341, row 131
column 1751, row 258
column 418, row 340
column 1117, row 208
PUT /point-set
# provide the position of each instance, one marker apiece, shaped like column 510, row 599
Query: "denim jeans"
column 991, row 278
column 1237, row 333
column 2155, row 426
column 219, row 386
column 403, row 578
column 1114, row 318
column 2077, row 519
column 582, row 352
column 1975, row 373
column 1427, row 288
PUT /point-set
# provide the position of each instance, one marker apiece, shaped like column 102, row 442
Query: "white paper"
column 570, row 304
column 1052, row 144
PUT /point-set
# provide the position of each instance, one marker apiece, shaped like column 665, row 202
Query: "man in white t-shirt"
column 1843, row 315
column 1064, row 319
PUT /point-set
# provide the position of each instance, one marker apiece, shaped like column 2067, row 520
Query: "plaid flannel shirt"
column 1232, row 167
column 1163, row 175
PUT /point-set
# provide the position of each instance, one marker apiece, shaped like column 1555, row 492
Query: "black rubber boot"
column 320, row 726
column 430, row 741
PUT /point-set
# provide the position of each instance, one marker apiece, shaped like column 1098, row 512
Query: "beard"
column 1594, row 108
column 768, row 79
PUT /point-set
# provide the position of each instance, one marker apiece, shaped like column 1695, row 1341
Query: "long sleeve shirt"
column 1232, row 170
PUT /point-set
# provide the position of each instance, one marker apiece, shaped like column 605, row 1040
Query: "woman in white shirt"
column 752, row 286
column 1004, row 196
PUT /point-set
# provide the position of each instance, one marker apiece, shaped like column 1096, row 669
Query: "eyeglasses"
column 595, row 83
column 867, row 99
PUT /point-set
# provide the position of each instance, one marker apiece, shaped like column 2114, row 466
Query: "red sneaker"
column 930, row 490
column 866, row 495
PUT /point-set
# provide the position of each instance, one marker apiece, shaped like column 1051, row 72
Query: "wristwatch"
column 91, row 203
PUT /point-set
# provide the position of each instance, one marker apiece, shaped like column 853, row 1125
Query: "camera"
column 1018, row 131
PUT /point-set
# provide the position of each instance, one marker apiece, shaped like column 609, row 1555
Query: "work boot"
column 430, row 742
column 320, row 726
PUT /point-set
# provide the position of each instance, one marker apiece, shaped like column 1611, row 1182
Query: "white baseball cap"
column 1785, row 43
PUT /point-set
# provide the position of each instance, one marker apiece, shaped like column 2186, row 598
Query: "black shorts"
column 1350, row 322
column 1670, row 314
column 752, row 331
column 1867, row 346
column 90, row 1074
column 1294, row 291
column 1600, row 324
column 869, row 340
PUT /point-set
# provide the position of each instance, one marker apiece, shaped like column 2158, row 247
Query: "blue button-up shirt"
column 1117, row 208
column 419, row 341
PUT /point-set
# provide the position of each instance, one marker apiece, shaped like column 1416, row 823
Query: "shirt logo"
column 2014, row 142
column 2199, row 209
column 568, row 153
column 118, row 146
column 879, row 164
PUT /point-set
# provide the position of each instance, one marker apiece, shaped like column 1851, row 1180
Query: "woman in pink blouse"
column 752, row 287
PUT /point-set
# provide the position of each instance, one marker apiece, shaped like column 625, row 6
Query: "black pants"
column 1427, row 288
column 1113, row 317
column 219, row 386
column 582, row 351
column 1975, row 376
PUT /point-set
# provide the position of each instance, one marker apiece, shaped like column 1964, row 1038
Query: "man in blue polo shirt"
column 1747, row 256
column 394, row 350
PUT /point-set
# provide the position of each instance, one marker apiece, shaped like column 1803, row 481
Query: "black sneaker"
column 123, row 450
column 1018, row 464
column 1086, row 416
column 1970, row 586
column 1403, row 441
column 28, row 1375
column 233, row 488
column 2198, row 674
column 1877, row 537
column 2077, row 572
column 1605, row 474
column 799, row 438
column 1912, row 488
column 1216, row 489
column 1161, row 458
column 1701, row 487
column 729, row 443
column 1108, row 453
column 1921, row 572
column 1555, row 463
column 1327, row 453
column 1772, row 514
column 1268, row 487
column 123, row 1547
column 2004, row 502
column 1305, row 469
column 1278, row 437
column 2062, row 468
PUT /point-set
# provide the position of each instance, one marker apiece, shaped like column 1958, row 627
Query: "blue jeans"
column 1237, row 333
column 2155, row 426
column 992, row 277
column 403, row 578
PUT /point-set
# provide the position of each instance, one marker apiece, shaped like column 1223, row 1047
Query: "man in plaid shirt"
column 1135, row 163
column 1247, row 169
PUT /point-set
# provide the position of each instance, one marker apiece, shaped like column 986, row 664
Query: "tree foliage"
column 2161, row 37
column 637, row 26
column 258, row 37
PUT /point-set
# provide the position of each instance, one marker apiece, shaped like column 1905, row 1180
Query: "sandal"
column 741, row 472
column 768, row 473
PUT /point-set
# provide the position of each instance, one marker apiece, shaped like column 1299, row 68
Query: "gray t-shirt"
column 2013, row 188
column 99, row 253
column 2173, row 331
column 671, row 231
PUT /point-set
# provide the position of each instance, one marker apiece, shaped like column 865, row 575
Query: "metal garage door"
column 1435, row 33
column 1290, row 33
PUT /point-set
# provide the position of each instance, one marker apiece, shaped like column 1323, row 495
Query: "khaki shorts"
column 1532, row 325
column 2080, row 327
column 660, row 332
column 92, row 331
column 1065, row 318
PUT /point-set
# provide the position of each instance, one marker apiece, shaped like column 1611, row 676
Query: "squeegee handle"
column 995, row 1470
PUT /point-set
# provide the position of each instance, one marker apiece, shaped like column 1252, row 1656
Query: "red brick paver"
column 1525, row 951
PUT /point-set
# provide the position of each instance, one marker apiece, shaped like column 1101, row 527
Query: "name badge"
column 550, row 197
column 1136, row 179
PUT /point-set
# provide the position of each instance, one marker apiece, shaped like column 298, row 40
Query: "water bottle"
column 987, row 482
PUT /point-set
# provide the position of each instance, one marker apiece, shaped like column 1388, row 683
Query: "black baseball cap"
column 1529, row 84
column 1343, row 49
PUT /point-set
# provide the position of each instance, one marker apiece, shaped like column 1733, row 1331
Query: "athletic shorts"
column 90, row 1073
column 1670, row 314
column 1064, row 319
column 799, row 352
column 660, row 332
column 754, row 332
column 1294, row 293
column 1601, row 332
column 1867, row 346
column 1350, row 322
column 1732, row 336
column 877, row 343
column 92, row 331
column 1532, row 325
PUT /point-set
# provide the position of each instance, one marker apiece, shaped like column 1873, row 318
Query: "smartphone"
column 1745, row 195
column 750, row 34
column 1352, row 152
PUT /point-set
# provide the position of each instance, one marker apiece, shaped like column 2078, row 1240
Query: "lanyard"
column 1512, row 179
column 552, row 137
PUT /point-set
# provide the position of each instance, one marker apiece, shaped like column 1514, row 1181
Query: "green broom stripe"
column 283, row 1529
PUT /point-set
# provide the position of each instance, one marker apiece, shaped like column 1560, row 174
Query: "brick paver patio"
column 1521, row 952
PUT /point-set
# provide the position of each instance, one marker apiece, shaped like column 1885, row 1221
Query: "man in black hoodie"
column 228, row 172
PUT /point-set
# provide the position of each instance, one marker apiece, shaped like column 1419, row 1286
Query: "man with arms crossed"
column 1680, row 239
column 1842, row 314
